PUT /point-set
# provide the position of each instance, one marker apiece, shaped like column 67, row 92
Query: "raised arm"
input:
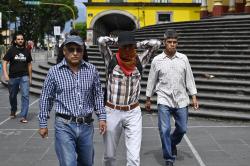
column 151, row 47
column 104, row 42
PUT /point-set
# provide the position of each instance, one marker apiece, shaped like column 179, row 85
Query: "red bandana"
column 126, row 66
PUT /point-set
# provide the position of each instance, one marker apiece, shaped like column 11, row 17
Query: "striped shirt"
column 122, row 89
column 74, row 94
column 172, row 79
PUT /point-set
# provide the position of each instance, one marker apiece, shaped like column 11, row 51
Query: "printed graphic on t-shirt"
column 20, row 57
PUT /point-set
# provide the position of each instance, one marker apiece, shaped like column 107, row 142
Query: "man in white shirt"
column 171, row 78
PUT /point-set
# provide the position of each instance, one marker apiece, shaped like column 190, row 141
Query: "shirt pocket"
column 135, row 79
column 117, row 78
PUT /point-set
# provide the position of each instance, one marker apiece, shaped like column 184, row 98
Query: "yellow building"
column 106, row 17
column 210, row 8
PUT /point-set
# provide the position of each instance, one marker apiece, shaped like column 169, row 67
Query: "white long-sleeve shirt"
column 172, row 79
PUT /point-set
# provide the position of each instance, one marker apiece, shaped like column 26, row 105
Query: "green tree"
column 37, row 20
column 82, row 28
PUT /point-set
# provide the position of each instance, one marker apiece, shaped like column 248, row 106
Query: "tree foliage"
column 81, row 27
column 37, row 20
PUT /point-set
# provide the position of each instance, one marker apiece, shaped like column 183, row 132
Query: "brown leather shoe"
column 23, row 120
column 12, row 115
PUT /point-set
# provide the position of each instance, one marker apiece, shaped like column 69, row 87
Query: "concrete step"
column 186, row 29
column 203, row 22
column 214, row 47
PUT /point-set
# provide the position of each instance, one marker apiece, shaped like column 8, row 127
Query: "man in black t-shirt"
column 20, row 70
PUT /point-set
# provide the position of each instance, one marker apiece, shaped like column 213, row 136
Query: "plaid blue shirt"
column 74, row 94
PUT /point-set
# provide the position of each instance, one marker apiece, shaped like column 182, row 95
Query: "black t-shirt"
column 18, row 59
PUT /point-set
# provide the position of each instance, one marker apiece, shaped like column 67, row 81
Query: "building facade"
column 109, row 17
column 211, row 8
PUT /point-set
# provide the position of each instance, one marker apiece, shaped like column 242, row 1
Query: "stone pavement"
column 207, row 143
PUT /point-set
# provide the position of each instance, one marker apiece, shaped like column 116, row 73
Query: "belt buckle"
column 79, row 119
column 129, row 107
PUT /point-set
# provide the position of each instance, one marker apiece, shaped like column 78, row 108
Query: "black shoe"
column 169, row 163
column 174, row 151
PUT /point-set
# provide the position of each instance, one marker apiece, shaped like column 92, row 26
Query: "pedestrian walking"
column 124, row 71
column 74, row 86
column 171, row 78
column 20, row 75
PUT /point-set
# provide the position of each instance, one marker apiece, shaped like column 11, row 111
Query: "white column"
column 217, row 2
column 231, row 6
column 204, row 3
column 204, row 10
column 247, row 6
column 90, row 37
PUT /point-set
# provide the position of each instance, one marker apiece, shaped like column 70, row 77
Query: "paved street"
column 208, row 142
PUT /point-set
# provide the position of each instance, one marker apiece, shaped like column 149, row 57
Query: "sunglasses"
column 73, row 49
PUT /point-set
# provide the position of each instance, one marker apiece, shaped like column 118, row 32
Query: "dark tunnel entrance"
column 112, row 24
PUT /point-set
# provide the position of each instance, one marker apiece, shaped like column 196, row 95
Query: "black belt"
column 87, row 119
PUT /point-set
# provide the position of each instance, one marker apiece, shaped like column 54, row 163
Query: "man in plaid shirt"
column 75, row 88
column 123, row 91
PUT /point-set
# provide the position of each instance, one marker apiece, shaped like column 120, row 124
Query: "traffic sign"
column 57, row 30
column 32, row 2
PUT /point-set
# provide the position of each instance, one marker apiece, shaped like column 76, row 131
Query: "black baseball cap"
column 125, row 38
column 73, row 39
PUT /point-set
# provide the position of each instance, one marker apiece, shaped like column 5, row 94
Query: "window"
column 159, row 1
column 116, row 1
column 197, row 1
column 164, row 17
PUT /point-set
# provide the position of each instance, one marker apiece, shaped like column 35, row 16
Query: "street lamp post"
column 8, row 11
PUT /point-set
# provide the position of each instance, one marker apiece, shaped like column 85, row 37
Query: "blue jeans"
column 168, row 140
column 74, row 143
column 13, row 85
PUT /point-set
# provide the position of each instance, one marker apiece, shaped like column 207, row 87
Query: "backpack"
column 111, row 67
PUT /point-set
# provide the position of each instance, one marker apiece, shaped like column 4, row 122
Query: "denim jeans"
column 13, row 85
column 164, row 123
column 74, row 143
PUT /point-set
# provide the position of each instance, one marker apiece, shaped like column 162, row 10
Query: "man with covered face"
column 122, row 95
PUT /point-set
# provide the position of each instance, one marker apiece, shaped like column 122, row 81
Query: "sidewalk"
column 208, row 142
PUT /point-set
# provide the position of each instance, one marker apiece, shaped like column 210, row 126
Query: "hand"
column 102, row 127
column 195, row 103
column 43, row 132
column 7, row 78
column 148, row 105
column 30, row 81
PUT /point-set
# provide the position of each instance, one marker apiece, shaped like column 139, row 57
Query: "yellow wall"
column 99, row 0
column 179, row 13
column 173, row 1
column 181, row 1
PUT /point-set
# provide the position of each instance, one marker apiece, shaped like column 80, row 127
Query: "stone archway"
column 110, row 23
